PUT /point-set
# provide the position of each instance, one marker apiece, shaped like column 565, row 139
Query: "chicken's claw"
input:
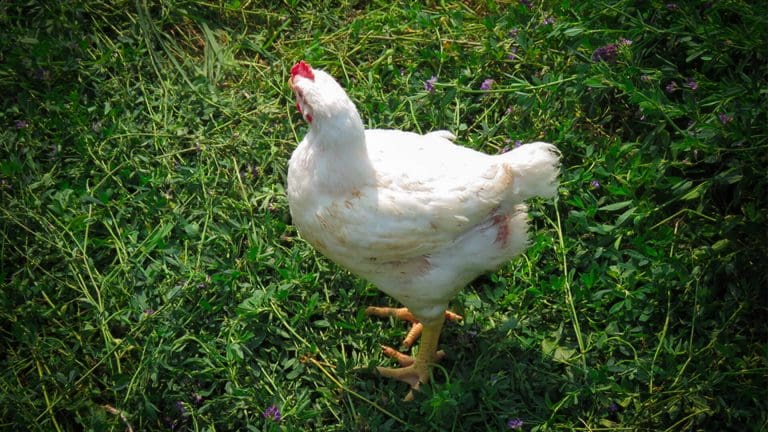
column 404, row 359
column 413, row 334
column 399, row 313
column 409, row 375
column 415, row 370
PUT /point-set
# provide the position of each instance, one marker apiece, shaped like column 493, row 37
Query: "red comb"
column 302, row 69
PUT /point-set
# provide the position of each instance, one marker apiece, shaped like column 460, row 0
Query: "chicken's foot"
column 414, row 370
column 417, row 372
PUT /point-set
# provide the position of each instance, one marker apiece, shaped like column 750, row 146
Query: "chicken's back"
column 426, row 283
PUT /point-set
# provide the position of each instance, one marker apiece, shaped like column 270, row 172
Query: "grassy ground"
column 151, row 276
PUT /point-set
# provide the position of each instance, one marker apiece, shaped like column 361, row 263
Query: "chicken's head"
column 318, row 95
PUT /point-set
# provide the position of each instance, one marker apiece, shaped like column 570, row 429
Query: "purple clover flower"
column 273, row 413
column 149, row 311
column 180, row 407
column 612, row 408
column 607, row 53
column 549, row 20
column 692, row 84
column 625, row 41
column 429, row 85
column 487, row 84
column 513, row 32
column 512, row 53
column 526, row 3
column 672, row 6
column 515, row 145
column 595, row 184
column 725, row 118
column 515, row 423
column 20, row 124
column 671, row 87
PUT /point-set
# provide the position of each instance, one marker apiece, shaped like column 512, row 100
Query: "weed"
column 152, row 279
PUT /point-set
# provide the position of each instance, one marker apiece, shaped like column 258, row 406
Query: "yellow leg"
column 418, row 372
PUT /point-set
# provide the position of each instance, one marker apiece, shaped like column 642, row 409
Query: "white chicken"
column 416, row 215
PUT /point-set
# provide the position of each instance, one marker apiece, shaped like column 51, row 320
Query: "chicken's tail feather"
column 536, row 167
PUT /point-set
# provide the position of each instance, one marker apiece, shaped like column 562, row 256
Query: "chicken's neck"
column 341, row 127
column 338, row 152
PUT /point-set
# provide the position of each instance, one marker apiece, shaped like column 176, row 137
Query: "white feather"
column 417, row 215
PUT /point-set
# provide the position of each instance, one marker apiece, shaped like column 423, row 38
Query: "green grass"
column 151, row 276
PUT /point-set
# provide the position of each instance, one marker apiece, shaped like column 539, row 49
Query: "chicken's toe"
column 408, row 374
column 404, row 314
column 402, row 359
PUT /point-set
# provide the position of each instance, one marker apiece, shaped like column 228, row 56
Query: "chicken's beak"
column 290, row 82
